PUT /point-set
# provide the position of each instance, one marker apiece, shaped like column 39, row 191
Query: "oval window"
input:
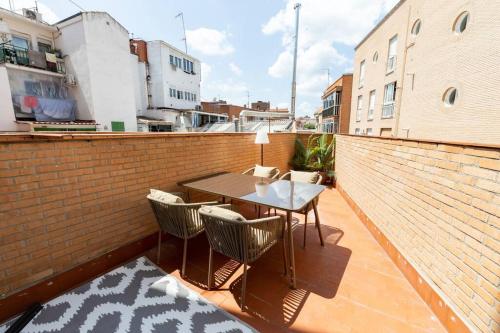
column 416, row 27
column 375, row 57
column 461, row 23
column 449, row 97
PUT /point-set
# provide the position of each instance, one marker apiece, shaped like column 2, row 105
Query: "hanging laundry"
column 30, row 101
column 50, row 57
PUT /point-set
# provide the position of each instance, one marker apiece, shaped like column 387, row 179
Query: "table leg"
column 318, row 225
column 291, row 256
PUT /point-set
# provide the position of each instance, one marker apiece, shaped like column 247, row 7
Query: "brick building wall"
column 67, row 199
column 429, row 63
column 233, row 111
column 345, row 105
column 439, row 205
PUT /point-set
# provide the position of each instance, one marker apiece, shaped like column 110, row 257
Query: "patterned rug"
column 136, row 297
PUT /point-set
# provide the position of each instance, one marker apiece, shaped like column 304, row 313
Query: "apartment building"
column 335, row 114
column 32, row 74
column 175, row 77
column 428, row 70
column 96, row 49
column 260, row 105
column 72, row 75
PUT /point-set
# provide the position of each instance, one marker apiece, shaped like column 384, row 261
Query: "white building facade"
column 73, row 75
column 96, row 49
column 174, row 77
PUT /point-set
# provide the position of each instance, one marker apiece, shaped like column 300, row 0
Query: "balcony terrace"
column 411, row 238
column 49, row 61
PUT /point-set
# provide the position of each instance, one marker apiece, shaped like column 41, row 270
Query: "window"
column 369, row 131
column 460, row 23
column 20, row 43
column 179, row 94
column 386, row 132
column 357, row 131
column 361, row 73
column 415, row 30
column 172, row 62
column 117, row 126
column 389, row 99
column 194, row 97
column 391, row 56
column 375, row 57
column 178, row 62
column 186, row 96
column 359, row 108
column 44, row 47
column 450, row 97
column 371, row 105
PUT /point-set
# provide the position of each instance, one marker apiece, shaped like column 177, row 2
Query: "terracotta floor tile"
column 349, row 285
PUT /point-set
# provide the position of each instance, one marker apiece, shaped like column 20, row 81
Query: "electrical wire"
column 77, row 5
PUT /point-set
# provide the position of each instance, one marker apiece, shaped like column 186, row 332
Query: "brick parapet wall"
column 68, row 198
column 439, row 204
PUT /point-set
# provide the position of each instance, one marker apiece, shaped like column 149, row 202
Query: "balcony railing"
column 388, row 110
column 21, row 56
column 331, row 111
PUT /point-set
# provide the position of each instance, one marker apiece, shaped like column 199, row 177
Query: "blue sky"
column 247, row 45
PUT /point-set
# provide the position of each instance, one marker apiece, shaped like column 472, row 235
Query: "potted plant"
column 322, row 159
column 316, row 155
column 303, row 154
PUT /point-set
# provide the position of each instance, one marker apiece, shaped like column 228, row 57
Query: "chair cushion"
column 164, row 197
column 304, row 177
column 266, row 172
column 223, row 213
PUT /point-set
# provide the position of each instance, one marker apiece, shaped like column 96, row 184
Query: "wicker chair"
column 241, row 240
column 275, row 172
column 178, row 219
column 287, row 176
column 274, row 175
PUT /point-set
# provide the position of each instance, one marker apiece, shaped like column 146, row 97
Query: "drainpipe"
column 399, row 91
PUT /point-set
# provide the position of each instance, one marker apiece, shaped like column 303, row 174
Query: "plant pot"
column 324, row 177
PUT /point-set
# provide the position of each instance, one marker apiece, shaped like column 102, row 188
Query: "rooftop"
column 400, row 228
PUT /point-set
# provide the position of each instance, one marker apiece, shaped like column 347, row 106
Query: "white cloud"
column 235, row 69
column 206, row 69
column 209, row 41
column 47, row 14
column 304, row 109
column 230, row 90
column 322, row 24
column 331, row 20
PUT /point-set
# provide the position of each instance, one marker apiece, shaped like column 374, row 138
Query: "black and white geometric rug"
column 136, row 297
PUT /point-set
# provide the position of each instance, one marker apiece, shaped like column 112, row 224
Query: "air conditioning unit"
column 69, row 79
column 32, row 14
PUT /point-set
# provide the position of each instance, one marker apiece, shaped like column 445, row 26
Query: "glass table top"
column 280, row 194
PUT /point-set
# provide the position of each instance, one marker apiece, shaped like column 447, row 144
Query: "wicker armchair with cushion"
column 311, row 178
column 265, row 172
column 261, row 171
column 176, row 218
column 230, row 234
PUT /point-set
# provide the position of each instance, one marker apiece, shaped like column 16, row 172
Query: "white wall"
column 7, row 118
column 139, row 78
column 71, row 41
column 98, row 53
column 165, row 76
column 112, row 84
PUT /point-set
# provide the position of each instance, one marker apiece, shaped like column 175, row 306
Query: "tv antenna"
column 181, row 15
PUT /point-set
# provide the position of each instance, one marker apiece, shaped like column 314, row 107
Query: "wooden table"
column 285, row 195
